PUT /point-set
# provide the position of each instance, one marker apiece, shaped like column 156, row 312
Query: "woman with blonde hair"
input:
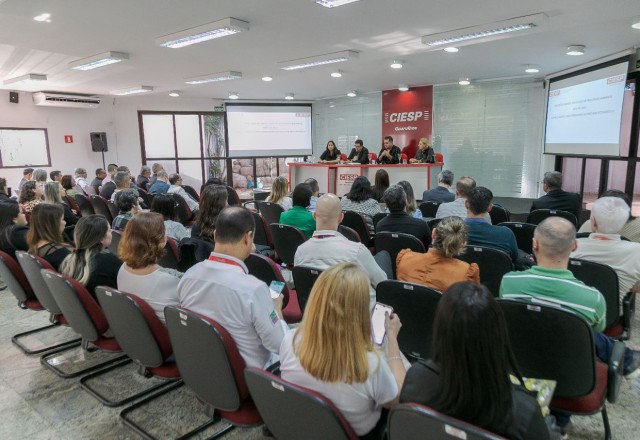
column 279, row 193
column 425, row 152
column 412, row 207
column 332, row 352
column 439, row 268
column 53, row 193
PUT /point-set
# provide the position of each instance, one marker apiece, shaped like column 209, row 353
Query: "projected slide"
column 584, row 112
column 269, row 130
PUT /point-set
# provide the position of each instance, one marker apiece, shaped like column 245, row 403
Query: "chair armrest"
column 628, row 309
column 616, row 368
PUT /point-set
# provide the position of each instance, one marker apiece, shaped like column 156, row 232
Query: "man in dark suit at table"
column 389, row 154
column 556, row 198
column 359, row 154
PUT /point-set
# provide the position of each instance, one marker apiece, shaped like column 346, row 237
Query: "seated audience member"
column 380, row 185
column 108, row 183
column 631, row 229
column 141, row 247
column 315, row 193
column 45, row 234
column 279, row 193
column 222, row 289
column 441, row 193
column 439, row 268
column 53, row 194
column 327, row 247
column 3, row 189
column 155, row 169
column 27, row 174
column 556, row 198
column 398, row 220
column 359, row 154
column 68, row 183
column 122, row 182
column 82, row 184
column 143, row 178
column 175, row 187
column 13, row 228
column 412, row 207
column 40, row 177
column 425, row 153
column 89, row 264
column 359, row 199
column 336, row 357
column 298, row 215
column 471, row 360
column 125, row 169
column 165, row 205
column 30, row 196
column 331, row 154
column 128, row 205
column 161, row 184
column 481, row 232
column 389, row 154
column 464, row 185
column 56, row 176
column 608, row 217
column 213, row 200
column 101, row 174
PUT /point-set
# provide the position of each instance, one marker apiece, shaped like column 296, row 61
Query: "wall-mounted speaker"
column 99, row 141
column 14, row 97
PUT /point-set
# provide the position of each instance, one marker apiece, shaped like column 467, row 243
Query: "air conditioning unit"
column 50, row 99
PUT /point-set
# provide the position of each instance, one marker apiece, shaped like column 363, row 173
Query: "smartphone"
column 377, row 321
column 276, row 288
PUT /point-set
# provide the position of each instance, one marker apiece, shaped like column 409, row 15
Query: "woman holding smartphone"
column 332, row 352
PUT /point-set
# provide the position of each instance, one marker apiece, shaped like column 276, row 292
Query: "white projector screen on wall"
column 256, row 130
column 584, row 111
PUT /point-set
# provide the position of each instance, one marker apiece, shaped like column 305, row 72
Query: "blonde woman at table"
column 425, row 153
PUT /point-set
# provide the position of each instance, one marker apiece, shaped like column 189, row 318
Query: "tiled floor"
column 37, row 404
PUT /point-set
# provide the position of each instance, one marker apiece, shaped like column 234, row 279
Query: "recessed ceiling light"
column 403, row 88
column 213, row 77
column 464, row 82
column 532, row 68
column 43, row 18
column 396, row 64
column 233, row 95
column 289, row 96
column 635, row 23
column 267, row 78
column 337, row 74
column 99, row 60
column 451, row 49
column 318, row 60
column 575, row 50
column 206, row 32
column 132, row 90
column 334, row 3
column 174, row 93
column 352, row 94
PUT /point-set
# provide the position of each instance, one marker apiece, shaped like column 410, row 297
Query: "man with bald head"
column 327, row 247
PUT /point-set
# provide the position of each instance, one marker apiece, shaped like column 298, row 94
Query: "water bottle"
column 259, row 185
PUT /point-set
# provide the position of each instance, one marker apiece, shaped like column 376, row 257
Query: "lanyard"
column 226, row 261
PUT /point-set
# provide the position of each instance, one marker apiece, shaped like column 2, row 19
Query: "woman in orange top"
column 439, row 268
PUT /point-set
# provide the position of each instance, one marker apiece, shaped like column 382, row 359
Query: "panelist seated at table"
column 331, row 154
column 389, row 154
column 359, row 154
column 425, row 153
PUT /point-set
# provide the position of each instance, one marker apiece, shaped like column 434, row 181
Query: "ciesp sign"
column 406, row 116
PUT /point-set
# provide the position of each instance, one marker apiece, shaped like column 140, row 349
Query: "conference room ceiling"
column 380, row 30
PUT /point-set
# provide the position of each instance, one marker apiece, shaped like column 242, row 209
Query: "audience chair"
column 523, row 233
column 356, row 221
column 286, row 240
column 264, row 269
column 185, row 215
column 605, row 279
column 112, row 209
column 293, row 412
column 493, row 264
column 553, row 343
column 211, row 366
column 429, row 209
column 433, row 223
column 376, row 218
column 304, row 279
column 416, row 305
column 72, row 204
column 192, row 251
column 192, row 192
column 394, row 242
column 144, row 195
column 17, row 282
column 535, row 217
column 116, row 236
column 232, row 196
column 84, row 205
column 270, row 211
column 262, row 237
column 412, row 421
column 349, row 233
column 499, row 214
column 171, row 257
column 100, row 206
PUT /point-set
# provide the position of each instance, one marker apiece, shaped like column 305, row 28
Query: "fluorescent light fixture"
column 336, row 74
column 289, row 96
column 132, row 90
column 319, row 60
column 486, row 32
column 267, row 78
column 99, row 60
column 403, row 88
column 396, row 65
column 464, row 81
column 233, row 95
column 451, row 49
column 29, row 77
column 174, row 93
column 532, row 68
column 213, row 77
column 209, row 31
column 43, row 18
column 635, row 23
column 575, row 50
column 333, row 3
column 352, row 94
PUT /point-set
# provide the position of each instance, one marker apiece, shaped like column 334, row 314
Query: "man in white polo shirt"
column 222, row 289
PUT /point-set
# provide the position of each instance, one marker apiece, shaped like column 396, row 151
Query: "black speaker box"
column 14, row 97
column 99, row 141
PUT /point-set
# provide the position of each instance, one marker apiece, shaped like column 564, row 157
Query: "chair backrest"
column 304, row 278
column 404, row 157
column 429, row 209
column 343, row 157
column 16, row 281
column 31, row 266
column 411, row 421
column 394, row 242
column 171, row 257
column 72, row 204
column 603, row 278
column 100, row 206
column 523, row 233
column 144, row 195
column 373, row 157
column 208, row 359
column 232, row 196
column 376, row 218
column 116, row 236
column 79, row 308
column 192, row 192
column 535, row 217
column 439, row 158
column 185, row 216
column 433, row 223
column 262, row 235
column 493, row 264
column 270, row 211
column 316, row 417
column 84, row 205
column 286, row 240
column 356, row 221
column 349, row 233
column 139, row 332
column 192, row 251
column 552, row 343
column 112, row 209
column 265, row 269
column 499, row 214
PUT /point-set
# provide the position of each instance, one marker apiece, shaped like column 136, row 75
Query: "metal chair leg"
column 26, row 350
column 44, row 360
